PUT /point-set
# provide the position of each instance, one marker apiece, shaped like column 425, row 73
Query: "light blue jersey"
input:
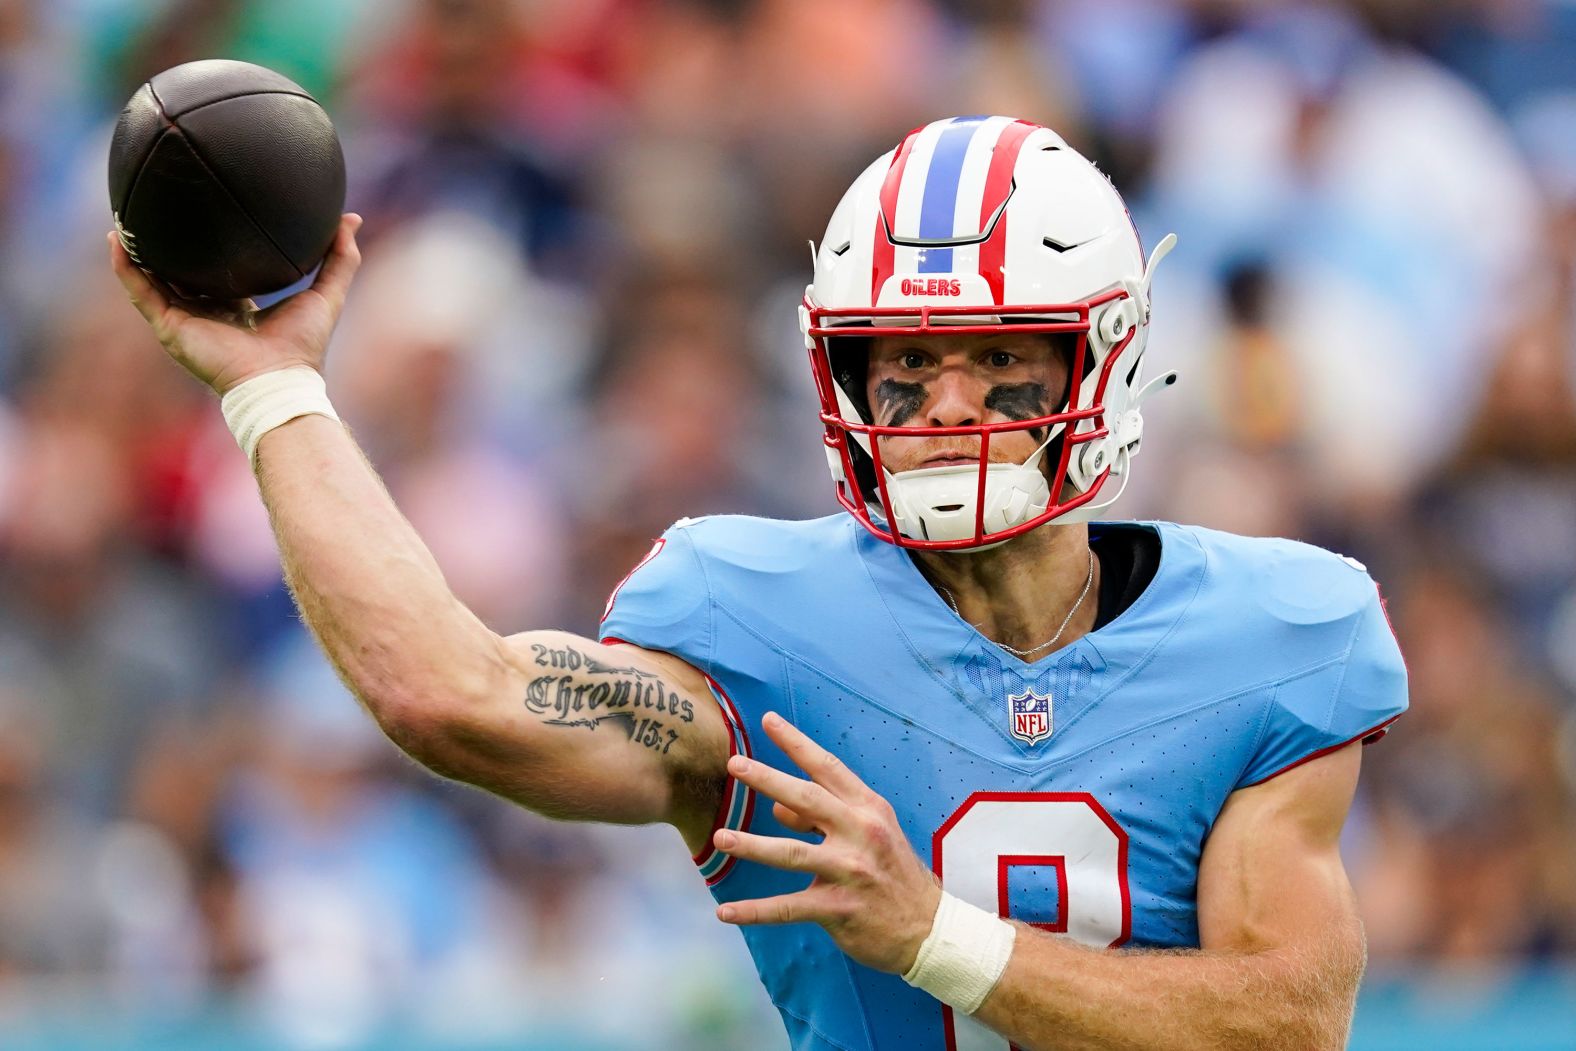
column 1074, row 793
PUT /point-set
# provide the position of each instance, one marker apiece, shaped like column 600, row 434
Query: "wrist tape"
column 260, row 404
column 964, row 956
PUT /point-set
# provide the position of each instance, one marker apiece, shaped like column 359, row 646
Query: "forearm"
column 1056, row 994
column 366, row 585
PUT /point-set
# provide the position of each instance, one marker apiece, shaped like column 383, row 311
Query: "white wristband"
column 260, row 404
column 964, row 956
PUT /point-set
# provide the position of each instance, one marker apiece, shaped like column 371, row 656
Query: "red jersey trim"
column 656, row 549
column 1368, row 736
column 738, row 801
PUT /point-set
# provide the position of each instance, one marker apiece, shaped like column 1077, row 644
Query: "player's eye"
column 1001, row 359
column 912, row 359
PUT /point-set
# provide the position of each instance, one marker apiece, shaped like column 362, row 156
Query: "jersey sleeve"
column 664, row 603
column 1355, row 699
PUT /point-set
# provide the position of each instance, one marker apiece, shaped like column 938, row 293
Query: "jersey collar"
column 931, row 627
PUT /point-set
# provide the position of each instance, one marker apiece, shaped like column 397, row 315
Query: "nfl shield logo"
column 1030, row 716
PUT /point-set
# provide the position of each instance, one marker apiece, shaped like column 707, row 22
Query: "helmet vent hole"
column 1049, row 149
column 949, row 508
column 845, row 247
column 1057, row 246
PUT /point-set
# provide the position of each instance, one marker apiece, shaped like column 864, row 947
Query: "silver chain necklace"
column 1048, row 643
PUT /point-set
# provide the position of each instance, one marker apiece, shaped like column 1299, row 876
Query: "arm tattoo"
column 647, row 731
column 595, row 692
column 899, row 402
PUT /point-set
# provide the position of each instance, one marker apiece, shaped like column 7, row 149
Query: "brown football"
column 226, row 179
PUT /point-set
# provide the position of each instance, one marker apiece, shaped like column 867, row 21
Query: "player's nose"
column 956, row 400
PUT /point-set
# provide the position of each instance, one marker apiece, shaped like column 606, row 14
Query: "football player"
column 939, row 754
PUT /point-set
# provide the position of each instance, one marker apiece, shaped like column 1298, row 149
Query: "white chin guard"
column 938, row 503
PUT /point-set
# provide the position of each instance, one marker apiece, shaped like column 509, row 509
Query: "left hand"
column 871, row 892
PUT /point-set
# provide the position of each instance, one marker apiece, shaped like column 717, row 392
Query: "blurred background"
column 585, row 242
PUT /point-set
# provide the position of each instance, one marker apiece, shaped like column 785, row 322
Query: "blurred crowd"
column 585, row 243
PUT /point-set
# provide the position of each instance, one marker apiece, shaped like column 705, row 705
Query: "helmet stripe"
column 884, row 253
column 971, row 188
column 941, row 191
column 998, row 183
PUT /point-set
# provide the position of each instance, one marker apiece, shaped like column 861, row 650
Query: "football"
column 226, row 179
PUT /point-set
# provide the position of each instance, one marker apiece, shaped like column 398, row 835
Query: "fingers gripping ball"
column 226, row 179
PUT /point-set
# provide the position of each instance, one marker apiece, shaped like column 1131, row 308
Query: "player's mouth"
column 949, row 458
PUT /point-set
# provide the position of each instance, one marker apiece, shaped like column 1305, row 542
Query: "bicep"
column 577, row 730
column 1271, row 875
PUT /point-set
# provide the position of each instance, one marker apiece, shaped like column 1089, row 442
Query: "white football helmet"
column 974, row 225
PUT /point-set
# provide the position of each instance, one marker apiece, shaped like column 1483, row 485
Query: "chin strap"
column 1090, row 511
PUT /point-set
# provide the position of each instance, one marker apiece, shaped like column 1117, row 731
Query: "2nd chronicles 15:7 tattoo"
column 596, row 692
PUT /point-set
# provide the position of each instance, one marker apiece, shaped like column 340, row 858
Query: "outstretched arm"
column 448, row 690
column 560, row 724
column 1282, row 947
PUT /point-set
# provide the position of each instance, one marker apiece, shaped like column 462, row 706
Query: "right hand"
column 224, row 344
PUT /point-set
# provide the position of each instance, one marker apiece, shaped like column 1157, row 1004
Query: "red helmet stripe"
column 884, row 257
column 998, row 182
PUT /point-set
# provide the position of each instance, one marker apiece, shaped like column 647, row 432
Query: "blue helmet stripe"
column 940, row 203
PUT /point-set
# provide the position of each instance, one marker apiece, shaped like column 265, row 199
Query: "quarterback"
column 970, row 769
